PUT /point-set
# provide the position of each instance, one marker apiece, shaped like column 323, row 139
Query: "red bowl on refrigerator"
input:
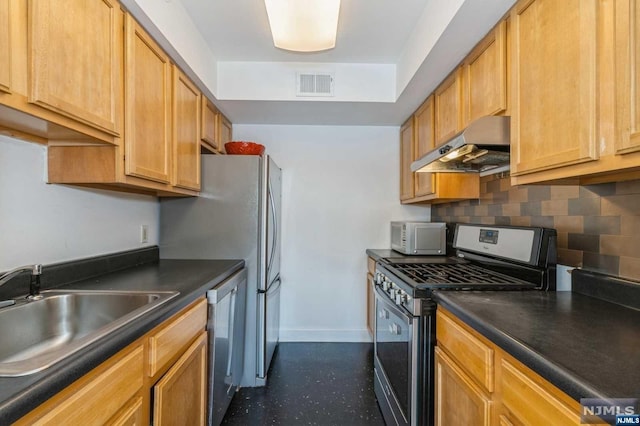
column 244, row 148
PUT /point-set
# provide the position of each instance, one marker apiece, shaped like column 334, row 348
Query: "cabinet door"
column 180, row 396
column 485, row 76
column 186, row 132
column 5, row 47
column 628, row 76
column 75, row 60
column 458, row 400
column 424, row 142
column 209, row 129
column 448, row 107
column 554, row 116
column 148, row 106
column 370, row 304
column 406, row 157
column 224, row 131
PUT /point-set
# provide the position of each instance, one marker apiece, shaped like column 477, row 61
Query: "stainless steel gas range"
column 486, row 258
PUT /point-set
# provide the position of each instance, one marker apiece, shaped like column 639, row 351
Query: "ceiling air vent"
column 314, row 84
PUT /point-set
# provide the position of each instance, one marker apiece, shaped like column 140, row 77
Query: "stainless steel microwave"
column 419, row 238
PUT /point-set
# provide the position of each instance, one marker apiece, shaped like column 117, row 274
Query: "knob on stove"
column 401, row 297
column 379, row 278
column 386, row 284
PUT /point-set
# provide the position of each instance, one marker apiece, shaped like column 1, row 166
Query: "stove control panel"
column 396, row 294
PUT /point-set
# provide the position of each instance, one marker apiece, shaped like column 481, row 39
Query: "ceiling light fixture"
column 303, row 25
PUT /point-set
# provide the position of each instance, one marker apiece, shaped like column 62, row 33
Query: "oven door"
column 394, row 352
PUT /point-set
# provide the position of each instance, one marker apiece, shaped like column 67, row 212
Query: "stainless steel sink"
column 34, row 335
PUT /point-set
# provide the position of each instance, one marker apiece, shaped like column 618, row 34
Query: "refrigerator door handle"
column 275, row 230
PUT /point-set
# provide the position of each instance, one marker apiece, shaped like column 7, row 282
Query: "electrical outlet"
column 144, row 234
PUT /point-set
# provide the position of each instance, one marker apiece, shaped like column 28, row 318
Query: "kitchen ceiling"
column 389, row 56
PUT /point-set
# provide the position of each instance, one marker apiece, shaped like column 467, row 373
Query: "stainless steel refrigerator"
column 236, row 216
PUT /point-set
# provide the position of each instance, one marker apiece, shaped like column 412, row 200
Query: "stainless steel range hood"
column 482, row 147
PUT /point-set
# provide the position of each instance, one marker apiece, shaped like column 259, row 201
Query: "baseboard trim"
column 296, row 335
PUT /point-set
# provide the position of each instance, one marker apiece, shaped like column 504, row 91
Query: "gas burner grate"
column 451, row 274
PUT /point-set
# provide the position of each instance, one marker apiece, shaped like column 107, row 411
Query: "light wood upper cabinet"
column 209, row 125
column 75, row 59
column 406, row 157
column 485, row 76
column 554, row 71
column 448, row 107
column 147, row 105
column 225, row 131
column 180, row 396
column 627, row 24
column 424, row 142
column 186, row 131
column 5, row 47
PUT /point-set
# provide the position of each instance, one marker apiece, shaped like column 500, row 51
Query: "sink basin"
column 34, row 335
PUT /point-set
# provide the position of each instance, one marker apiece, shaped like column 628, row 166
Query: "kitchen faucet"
column 34, row 285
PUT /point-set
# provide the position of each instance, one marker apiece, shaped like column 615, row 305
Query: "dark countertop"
column 192, row 278
column 587, row 347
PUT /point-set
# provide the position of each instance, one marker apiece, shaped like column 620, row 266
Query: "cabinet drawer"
column 169, row 341
column 96, row 397
column 471, row 353
column 530, row 402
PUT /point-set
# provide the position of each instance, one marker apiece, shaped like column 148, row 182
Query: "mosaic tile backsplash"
column 598, row 225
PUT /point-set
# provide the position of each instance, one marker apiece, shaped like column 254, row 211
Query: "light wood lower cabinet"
column 459, row 401
column 180, row 396
column 477, row 383
column 371, row 302
column 122, row 389
column 96, row 397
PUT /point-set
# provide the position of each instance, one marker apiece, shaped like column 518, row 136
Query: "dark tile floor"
column 312, row 384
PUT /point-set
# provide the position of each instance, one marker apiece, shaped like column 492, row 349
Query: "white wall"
column 43, row 223
column 340, row 190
